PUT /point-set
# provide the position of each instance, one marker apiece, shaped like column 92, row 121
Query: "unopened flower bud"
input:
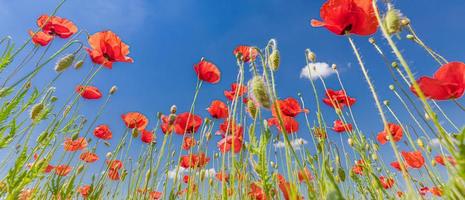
column 173, row 109
column 259, row 92
column 113, row 89
column 216, row 155
column 405, row 22
column 394, row 65
column 274, row 59
column 64, row 63
column 410, row 37
column 109, row 155
column 391, row 87
column 374, row 156
column 420, row 143
column 78, row 64
column 351, row 142
column 35, row 111
column 311, row 56
column 433, row 163
column 371, row 40
column 386, row 102
column 79, row 169
column 334, row 66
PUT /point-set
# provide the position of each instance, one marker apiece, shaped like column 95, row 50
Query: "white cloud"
column 316, row 70
column 172, row 173
column 296, row 143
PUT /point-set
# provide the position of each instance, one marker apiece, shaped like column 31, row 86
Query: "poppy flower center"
column 108, row 57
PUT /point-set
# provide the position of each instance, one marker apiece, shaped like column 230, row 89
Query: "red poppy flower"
column 395, row 130
column 413, row 159
column 348, row 16
column 62, row 170
column 188, row 143
column 207, row 71
column 185, row 179
column 358, row 167
column 114, row 175
column 167, row 123
column 114, row 164
column 147, row 136
column 289, row 107
column 155, row 195
column 187, row 123
column 88, row 157
column 442, row 160
column 396, row 165
column 49, row 168
column 88, row 92
column 75, row 145
column 84, row 191
column 40, row 38
column 448, row 82
column 290, row 124
column 230, row 141
column 284, row 186
column 339, row 126
column 436, row 191
column 135, row 120
column 386, row 182
column 52, row 26
column 245, row 53
column 194, row 160
column 304, row 174
column 218, row 109
column 107, row 48
column 222, row 176
column 423, row 191
column 231, row 128
column 234, row 88
column 256, row 192
column 103, row 132
column 338, row 99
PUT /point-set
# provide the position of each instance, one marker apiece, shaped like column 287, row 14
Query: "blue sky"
column 167, row 37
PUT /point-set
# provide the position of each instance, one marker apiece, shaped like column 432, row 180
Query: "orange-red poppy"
column 135, row 120
column 222, row 176
column 413, row 159
column 84, row 190
column 107, row 48
column 245, row 53
column 103, row 132
column 348, row 16
column 358, row 167
column 289, row 107
column 194, row 160
column 187, row 123
column 443, row 159
column 75, row 145
column 207, row 71
column 339, row 126
column 114, row 175
column 256, row 192
column 114, row 164
column 423, row 191
column 448, row 82
column 147, row 136
column 240, row 89
column 88, row 92
column 304, row 175
column 290, row 124
column 386, row 182
column 88, row 157
column 218, row 109
column 396, row 165
column 52, row 26
column 188, row 143
column 230, row 141
column 62, row 170
column 436, row 191
column 394, row 129
column 230, row 128
column 338, row 99
column 185, row 179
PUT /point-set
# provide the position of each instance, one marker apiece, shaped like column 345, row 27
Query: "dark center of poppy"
column 106, row 56
column 347, row 29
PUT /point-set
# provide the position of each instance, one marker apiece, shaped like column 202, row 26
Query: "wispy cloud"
column 316, row 70
column 172, row 173
column 296, row 143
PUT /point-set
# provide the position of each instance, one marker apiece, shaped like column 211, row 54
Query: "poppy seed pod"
column 78, row 64
column 392, row 21
column 113, row 89
column 274, row 59
column 259, row 91
column 36, row 110
column 64, row 63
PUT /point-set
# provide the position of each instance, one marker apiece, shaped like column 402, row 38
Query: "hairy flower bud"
column 259, row 91
column 274, row 59
column 35, row 111
column 78, row 64
column 64, row 63
column 392, row 21
column 113, row 89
